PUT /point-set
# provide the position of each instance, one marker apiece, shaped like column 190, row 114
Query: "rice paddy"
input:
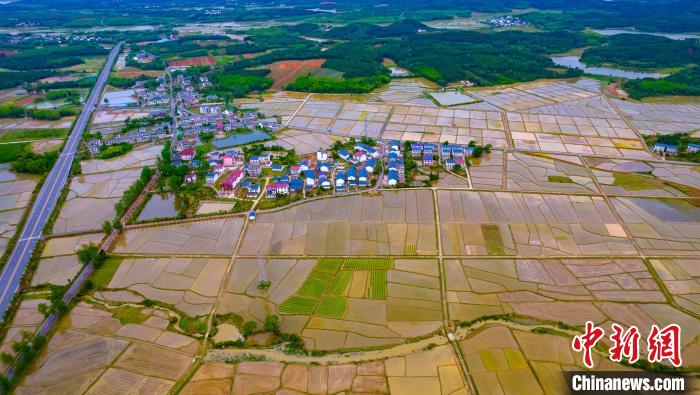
column 333, row 280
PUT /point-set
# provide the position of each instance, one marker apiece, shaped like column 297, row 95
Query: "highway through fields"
column 48, row 195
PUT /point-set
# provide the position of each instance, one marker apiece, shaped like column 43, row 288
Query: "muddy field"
column 110, row 355
column 208, row 237
column 387, row 224
column 434, row 371
column 91, row 200
column 485, row 223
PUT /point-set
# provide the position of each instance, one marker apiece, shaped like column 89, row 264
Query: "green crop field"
column 312, row 287
column 298, row 305
column 332, row 307
column 328, row 265
column 366, row 264
column 321, row 275
column 339, row 284
column 377, row 284
column 323, row 291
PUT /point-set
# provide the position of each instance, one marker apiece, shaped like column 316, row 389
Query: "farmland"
column 342, row 303
column 568, row 218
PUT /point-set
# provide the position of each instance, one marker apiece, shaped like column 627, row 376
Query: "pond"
column 672, row 36
column 159, row 206
column 669, row 210
column 240, row 139
column 575, row 62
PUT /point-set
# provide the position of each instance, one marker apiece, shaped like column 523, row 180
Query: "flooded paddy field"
column 429, row 371
column 540, row 173
column 662, row 226
column 206, row 237
column 505, row 360
column 135, row 159
column 111, row 354
column 91, row 199
column 302, row 142
column 663, row 118
column 387, row 224
column 15, row 193
column 485, row 223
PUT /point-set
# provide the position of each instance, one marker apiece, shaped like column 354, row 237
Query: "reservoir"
column 240, row 139
column 672, row 36
column 575, row 62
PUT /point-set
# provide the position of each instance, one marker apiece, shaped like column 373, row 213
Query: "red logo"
column 662, row 344
column 587, row 341
column 665, row 344
column 626, row 343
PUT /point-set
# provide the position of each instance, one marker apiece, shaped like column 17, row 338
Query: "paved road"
column 173, row 110
column 46, row 199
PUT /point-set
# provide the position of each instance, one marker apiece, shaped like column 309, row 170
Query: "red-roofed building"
column 187, row 153
column 232, row 181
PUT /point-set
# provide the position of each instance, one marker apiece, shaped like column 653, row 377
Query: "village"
column 344, row 167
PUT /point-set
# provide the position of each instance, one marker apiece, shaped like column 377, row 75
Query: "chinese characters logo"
column 662, row 344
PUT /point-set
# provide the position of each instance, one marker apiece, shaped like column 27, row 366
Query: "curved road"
column 48, row 195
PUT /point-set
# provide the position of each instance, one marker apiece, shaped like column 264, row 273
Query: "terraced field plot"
column 420, row 123
column 662, row 226
column 68, row 245
column 189, row 284
column 325, row 291
column 512, row 361
column 58, row 270
column 341, row 303
column 8, row 226
column 316, row 115
column 570, row 125
column 209, row 237
column 27, row 318
column 102, row 358
column 404, row 91
column 282, row 104
column 135, row 159
column 91, row 200
column 303, row 142
column 677, row 179
column 568, row 290
column 680, row 276
column 534, row 94
column 488, row 171
column 620, row 183
column 594, row 107
column 487, row 223
column 663, row 118
column 389, row 223
column 356, row 119
column 541, row 173
column 433, row 372
column 16, row 193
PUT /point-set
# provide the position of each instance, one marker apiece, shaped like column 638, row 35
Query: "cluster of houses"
column 156, row 97
column 141, row 135
column 214, row 118
column 188, row 92
column 452, row 155
column 314, row 172
column 672, row 149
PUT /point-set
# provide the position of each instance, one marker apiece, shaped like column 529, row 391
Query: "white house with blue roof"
column 669, row 149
